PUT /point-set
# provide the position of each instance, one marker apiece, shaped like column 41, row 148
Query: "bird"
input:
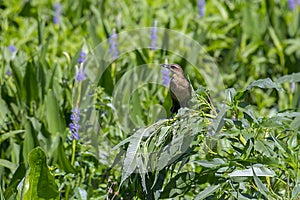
column 180, row 88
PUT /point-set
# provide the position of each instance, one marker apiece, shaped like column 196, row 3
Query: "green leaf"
column 295, row 123
column 30, row 140
column 277, row 44
column 39, row 183
column 264, row 84
column 8, row 164
column 9, row 135
column 261, row 187
column 4, row 113
column 130, row 162
column 16, row 179
column 216, row 162
column 55, row 120
column 207, row 192
column 276, row 121
column 81, row 194
column 259, row 171
column 296, row 192
column 178, row 185
column 63, row 162
column 218, row 122
column 31, row 84
column 230, row 94
column 295, row 77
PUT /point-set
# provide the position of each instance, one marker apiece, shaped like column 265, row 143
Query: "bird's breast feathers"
column 180, row 87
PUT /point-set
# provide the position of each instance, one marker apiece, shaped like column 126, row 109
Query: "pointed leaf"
column 130, row 162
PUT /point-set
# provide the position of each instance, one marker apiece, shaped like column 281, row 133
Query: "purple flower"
column 165, row 77
column 153, row 36
column 57, row 12
column 80, row 74
column 8, row 72
column 74, row 125
column 81, row 58
column 12, row 48
column 113, row 45
column 201, row 8
column 292, row 4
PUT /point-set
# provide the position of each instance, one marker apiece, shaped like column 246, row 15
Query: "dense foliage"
column 84, row 108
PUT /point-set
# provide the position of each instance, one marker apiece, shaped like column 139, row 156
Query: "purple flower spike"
column 153, row 37
column 165, row 77
column 74, row 125
column 292, row 4
column 80, row 74
column 113, row 45
column 57, row 12
column 201, row 8
column 81, row 58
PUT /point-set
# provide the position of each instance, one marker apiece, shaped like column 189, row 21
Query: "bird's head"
column 174, row 68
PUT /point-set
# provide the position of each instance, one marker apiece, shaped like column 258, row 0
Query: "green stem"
column 113, row 72
column 73, row 151
column 67, row 191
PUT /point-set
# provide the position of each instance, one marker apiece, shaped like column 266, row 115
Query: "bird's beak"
column 165, row 65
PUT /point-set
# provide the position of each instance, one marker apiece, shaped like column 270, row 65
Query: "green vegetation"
column 84, row 113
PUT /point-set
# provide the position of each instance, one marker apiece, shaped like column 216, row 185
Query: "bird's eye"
column 173, row 66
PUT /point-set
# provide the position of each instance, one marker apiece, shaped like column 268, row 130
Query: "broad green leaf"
column 259, row 171
column 264, row 84
column 39, row 183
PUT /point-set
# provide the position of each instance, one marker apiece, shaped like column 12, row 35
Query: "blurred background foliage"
column 246, row 150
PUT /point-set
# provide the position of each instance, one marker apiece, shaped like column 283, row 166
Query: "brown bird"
column 180, row 87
